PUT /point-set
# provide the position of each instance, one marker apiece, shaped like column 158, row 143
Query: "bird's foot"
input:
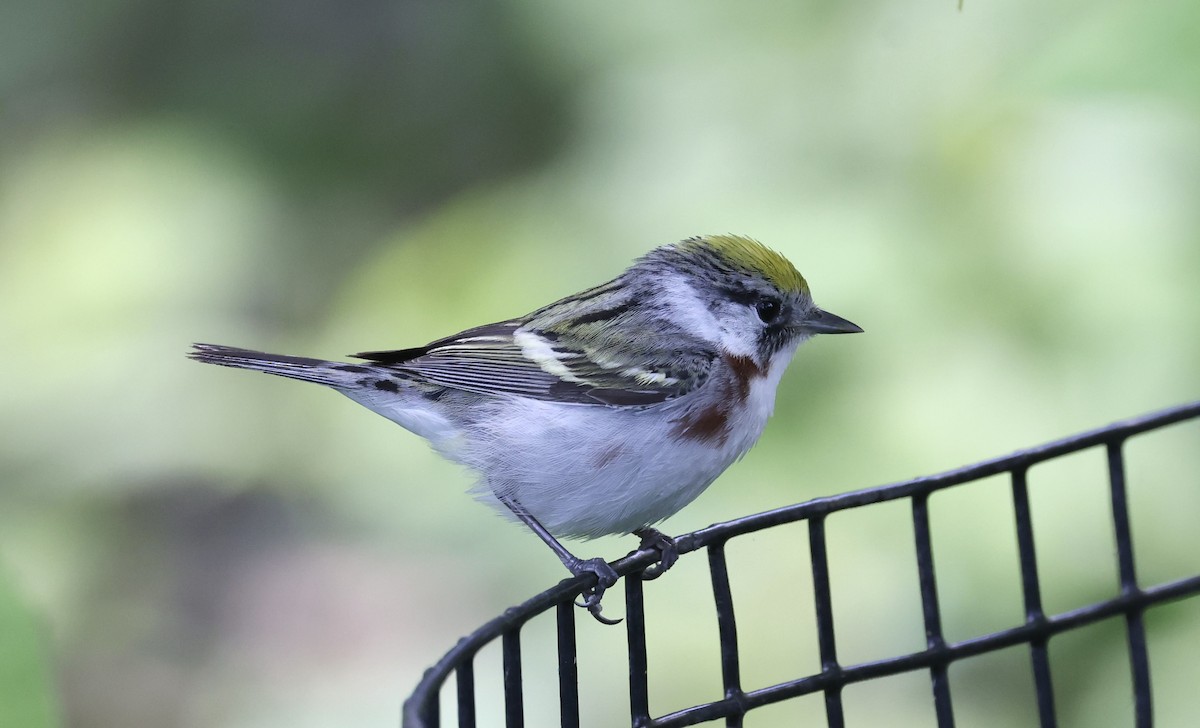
column 668, row 552
column 606, row 576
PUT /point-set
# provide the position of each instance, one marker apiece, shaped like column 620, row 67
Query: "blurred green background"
column 1006, row 197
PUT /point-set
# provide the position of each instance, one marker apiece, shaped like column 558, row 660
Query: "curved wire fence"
column 422, row 709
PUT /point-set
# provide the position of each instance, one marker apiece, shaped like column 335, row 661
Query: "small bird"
column 604, row 412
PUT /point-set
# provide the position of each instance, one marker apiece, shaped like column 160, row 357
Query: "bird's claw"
column 591, row 602
column 665, row 545
column 606, row 576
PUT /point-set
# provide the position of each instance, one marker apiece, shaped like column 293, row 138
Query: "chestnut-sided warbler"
column 604, row 412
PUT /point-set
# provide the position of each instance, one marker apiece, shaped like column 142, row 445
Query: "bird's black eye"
column 767, row 308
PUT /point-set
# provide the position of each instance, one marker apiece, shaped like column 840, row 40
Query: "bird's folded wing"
column 508, row 358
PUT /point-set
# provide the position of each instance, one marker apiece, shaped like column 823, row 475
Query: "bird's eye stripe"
column 742, row 295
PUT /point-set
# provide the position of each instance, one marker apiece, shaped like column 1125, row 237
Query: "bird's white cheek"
column 739, row 341
column 689, row 311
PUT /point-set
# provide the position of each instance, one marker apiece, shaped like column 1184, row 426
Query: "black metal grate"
column 422, row 708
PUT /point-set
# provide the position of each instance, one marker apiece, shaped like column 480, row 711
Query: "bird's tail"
column 329, row 373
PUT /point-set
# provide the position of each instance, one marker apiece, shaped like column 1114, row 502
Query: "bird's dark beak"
column 823, row 322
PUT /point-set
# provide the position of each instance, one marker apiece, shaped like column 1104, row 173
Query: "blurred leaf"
column 27, row 697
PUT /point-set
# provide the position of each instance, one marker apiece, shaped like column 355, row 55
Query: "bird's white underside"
column 586, row 471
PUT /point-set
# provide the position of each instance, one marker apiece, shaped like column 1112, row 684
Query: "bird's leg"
column 668, row 552
column 605, row 575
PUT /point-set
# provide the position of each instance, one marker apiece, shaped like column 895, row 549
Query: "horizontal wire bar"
column 925, row 659
column 928, row 484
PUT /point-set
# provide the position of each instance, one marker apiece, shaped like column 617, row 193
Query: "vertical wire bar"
column 635, row 630
column 568, row 669
column 432, row 715
column 1032, row 592
column 727, row 631
column 1139, row 660
column 514, row 708
column 934, row 640
column 823, row 600
column 465, row 687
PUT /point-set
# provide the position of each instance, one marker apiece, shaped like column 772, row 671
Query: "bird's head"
column 739, row 294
